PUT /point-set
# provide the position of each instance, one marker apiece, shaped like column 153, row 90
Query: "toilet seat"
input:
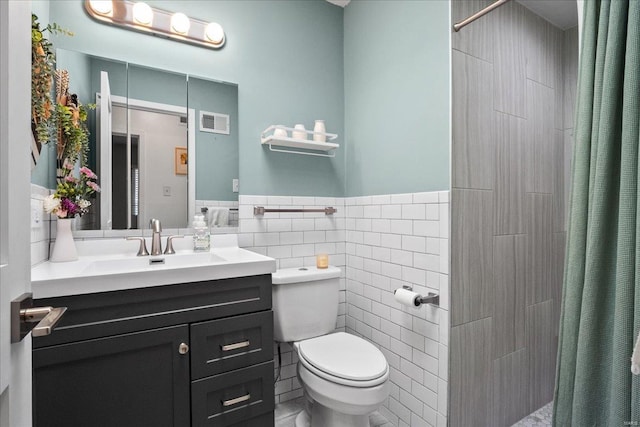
column 344, row 359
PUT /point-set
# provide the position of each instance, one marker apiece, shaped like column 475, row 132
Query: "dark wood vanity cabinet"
column 193, row 354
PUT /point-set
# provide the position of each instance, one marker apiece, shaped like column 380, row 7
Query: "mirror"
column 171, row 144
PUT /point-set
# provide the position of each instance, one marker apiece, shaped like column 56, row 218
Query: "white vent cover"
column 214, row 122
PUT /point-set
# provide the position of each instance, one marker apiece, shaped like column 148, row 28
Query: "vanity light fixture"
column 214, row 33
column 180, row 23
column 101, row 7
column 139, row 16
column 142, row 13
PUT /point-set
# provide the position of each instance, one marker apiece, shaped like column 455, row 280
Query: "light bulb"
column 180, row 23
column 214, row 33
column 142, row 13
column 102, row 7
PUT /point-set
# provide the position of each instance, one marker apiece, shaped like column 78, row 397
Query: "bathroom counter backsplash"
column 40, row 226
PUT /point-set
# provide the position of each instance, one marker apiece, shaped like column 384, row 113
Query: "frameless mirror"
column 164, row 145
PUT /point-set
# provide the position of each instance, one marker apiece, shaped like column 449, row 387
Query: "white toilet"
column 344, row 376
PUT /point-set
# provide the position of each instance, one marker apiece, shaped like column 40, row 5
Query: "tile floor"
column 286, row 413
column 542, row 417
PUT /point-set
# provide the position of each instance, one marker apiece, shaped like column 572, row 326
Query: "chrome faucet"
column 156, row 242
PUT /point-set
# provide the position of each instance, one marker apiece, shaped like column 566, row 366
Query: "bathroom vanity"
column 197, row 352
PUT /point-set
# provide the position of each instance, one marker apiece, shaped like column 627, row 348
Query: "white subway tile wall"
column 40, row 229
column 294, row 240
column 391, row 241
column 380, row 243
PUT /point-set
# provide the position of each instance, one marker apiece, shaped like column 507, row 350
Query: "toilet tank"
column 305, row 302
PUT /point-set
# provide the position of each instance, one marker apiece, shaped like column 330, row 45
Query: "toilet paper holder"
column 431, row 298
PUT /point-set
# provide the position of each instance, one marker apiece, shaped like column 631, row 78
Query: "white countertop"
column 103, row 266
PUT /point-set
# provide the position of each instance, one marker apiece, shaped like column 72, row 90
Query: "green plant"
column 42, row 70
column 73, row 134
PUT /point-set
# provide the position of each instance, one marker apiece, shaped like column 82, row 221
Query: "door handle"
column 26, row 318
column 45, row 317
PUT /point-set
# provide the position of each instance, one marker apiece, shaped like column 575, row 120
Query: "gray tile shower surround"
column 514, row 79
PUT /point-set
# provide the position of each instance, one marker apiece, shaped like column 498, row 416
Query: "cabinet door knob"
column 183, row 348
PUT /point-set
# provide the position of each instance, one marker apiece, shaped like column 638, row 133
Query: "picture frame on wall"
column 181, row 160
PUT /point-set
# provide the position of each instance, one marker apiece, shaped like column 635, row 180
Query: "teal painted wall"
column 216, row 154
column 285, row 56
column 157, row 86
column 396, row 59
column 118, row 73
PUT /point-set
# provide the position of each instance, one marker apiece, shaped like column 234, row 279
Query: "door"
column 15, row 129
column 136, row 379
column 104, row 114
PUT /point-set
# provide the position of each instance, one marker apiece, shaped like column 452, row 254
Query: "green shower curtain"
column 601, row 294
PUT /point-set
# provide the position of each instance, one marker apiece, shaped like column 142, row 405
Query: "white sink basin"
column 149, row 263
column 118, row 270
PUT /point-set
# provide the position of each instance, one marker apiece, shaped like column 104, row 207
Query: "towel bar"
column 261, row 210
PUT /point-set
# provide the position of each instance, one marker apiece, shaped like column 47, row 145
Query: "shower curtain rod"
column 459, row 25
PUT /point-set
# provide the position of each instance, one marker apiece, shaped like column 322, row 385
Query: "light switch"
column 166, row 190
column 36, row 214
column 235, row 185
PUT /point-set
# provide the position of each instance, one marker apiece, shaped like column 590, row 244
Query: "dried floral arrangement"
column 73, row 134
column 42, row 71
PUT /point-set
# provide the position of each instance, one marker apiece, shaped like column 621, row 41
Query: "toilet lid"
column 345, row 356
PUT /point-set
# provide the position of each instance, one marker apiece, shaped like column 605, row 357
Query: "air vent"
column 214, row 122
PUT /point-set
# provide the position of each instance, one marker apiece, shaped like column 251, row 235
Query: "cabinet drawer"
column 222, row 345
column 119, row 312
column 230, row 398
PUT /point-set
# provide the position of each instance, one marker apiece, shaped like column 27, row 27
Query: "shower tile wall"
column 514, row 77
column 294, row 239
column 396, row 240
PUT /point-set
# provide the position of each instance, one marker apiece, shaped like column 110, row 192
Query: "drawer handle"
column 237, row 400
column 236, row 345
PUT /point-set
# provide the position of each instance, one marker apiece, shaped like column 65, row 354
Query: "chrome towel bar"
column 261, row 210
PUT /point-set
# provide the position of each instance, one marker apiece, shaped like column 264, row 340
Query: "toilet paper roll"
column 407, row 297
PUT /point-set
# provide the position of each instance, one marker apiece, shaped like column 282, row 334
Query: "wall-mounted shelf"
column 268, row 138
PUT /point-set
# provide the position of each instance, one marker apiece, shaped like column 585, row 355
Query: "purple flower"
column 71, row 208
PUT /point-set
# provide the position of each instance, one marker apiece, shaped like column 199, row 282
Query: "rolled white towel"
column 635, row 358
column 218, row 217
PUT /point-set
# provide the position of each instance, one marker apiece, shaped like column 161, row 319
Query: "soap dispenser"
column 201, row 235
